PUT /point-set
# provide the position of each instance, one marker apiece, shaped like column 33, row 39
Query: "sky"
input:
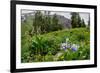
column 83, row 15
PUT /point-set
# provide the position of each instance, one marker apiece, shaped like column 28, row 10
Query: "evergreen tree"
column 83, row 23
column 47, row 21
column 43, row 22
column 74, row 19
column 38, row 20
column 54, row 23
column 79, row 21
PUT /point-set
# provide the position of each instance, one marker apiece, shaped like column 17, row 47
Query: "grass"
column 47, row 47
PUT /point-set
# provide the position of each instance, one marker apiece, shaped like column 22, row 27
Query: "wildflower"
column 64, row 46
column 74, row 47
column 68, row 45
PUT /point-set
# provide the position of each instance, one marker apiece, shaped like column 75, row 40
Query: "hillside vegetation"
column 44, row 39
column 48, row 47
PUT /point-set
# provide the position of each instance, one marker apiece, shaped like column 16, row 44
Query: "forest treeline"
column 44, row 23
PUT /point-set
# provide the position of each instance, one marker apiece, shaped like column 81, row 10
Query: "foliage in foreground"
column 47, row 47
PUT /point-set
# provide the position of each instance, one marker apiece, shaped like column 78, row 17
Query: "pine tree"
column 54, row 23
column 83, row 23
column 37, row 24
column 47, row 21
column 79, row 21
column 74, row 19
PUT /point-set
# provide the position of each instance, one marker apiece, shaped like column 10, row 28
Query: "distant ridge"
column 66, row 23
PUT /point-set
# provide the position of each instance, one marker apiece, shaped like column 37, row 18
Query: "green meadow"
column 43, row 39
